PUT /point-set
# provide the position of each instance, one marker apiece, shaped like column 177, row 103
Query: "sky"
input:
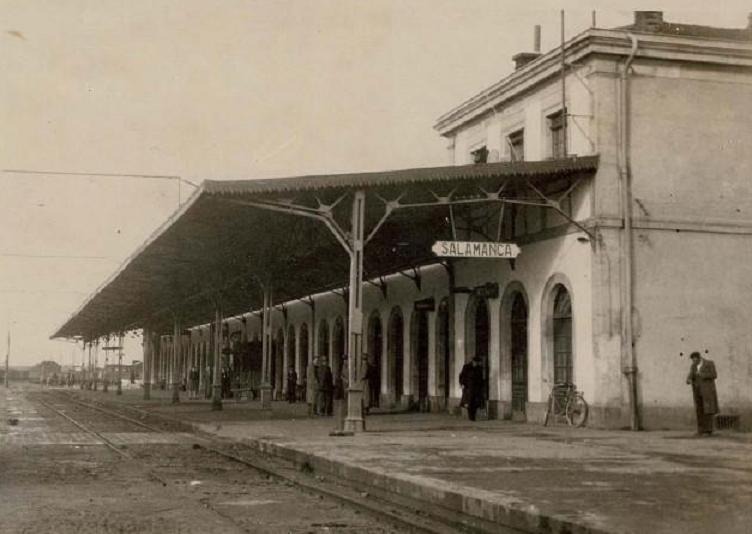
column 224, row 89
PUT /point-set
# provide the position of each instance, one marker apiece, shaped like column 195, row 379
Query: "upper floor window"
column 557, row 125
column 480, row 155
column 516, row 142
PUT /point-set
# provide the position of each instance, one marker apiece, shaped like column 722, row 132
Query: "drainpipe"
column 629, row 360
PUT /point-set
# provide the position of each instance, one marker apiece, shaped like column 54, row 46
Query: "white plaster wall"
column 537, row 263
column 530, row 111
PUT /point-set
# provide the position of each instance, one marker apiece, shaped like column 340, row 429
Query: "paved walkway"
column 556, row 479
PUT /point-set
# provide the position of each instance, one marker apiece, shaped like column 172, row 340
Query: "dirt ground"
column 54, row 477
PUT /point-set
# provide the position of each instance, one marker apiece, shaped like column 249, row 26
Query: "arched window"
column 563, row 371
column 518, row 348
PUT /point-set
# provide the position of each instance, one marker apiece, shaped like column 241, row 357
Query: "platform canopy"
column 230, row 237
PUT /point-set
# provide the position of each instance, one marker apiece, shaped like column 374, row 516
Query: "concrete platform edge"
column 527, row 519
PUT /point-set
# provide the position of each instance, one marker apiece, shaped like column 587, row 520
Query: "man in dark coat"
column 702, row 377
column 471, row 380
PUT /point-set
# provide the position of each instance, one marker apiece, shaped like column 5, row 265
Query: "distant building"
column 44, row 370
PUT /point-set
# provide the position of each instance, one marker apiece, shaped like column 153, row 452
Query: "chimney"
column 523, row 58
column 649, row 21
column 749, row 21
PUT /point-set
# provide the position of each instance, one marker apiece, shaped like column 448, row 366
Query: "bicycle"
column 565, row 400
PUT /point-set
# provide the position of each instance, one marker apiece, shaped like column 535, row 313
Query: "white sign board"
column 475, row 249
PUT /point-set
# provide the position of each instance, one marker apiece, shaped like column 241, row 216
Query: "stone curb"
column 526, row 519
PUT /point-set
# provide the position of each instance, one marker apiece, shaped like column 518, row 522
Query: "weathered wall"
column 692, row 208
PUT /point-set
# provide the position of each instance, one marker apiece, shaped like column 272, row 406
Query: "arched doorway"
column 290, row 355
column 478, row 335
column 518, row 350
column 419, row 345
column 443, row 354
column 562, row 320
column 322, row 349
column 375, row 348
column 303, row 348
column 338, row 345
column 395, row 347
column 277, row 370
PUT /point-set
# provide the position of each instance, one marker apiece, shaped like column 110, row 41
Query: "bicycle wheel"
column 576, row 410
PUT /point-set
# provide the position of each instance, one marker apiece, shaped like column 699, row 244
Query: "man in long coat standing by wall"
column 702, row 377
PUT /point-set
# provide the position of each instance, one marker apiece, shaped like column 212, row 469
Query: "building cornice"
column 595, row 41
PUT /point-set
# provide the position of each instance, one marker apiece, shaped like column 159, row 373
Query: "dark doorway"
column 482, row 336
column 396, row 352
column 518, row 345
column 278, row 372
column 303, row 350
column 443, row 373
column 338, row 345
column 375, row 347
column 290, row 355
column 421, row 357
column 323, row 346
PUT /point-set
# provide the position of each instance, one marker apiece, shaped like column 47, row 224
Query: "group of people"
column 322, row 386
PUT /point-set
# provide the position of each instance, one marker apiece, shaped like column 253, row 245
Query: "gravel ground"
column 56, row 478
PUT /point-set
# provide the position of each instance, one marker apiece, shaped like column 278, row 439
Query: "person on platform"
column 702, row 377
column 370, row 384
column 312, row 387
column 292, row 382
column 325, row 383
column 341, row 384
column 472, row 382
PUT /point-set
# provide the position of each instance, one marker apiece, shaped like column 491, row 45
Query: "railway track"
column 404, row 516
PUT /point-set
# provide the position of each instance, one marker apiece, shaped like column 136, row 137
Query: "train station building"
column 593, row 225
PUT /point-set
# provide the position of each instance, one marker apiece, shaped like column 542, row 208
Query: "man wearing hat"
column 702, row 377
column 473, row 385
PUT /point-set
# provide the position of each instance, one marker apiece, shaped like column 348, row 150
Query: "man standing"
column 471, row 380
column 702, row 377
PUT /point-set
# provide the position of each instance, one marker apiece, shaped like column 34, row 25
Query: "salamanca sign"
column 475, row 249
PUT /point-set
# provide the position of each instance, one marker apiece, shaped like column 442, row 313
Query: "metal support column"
column 176, row 354
column 354, row 421
column 217, row 382
column 146, row 364
column 266, row 349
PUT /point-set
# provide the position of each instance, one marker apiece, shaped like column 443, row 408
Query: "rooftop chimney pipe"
column 537, row 40
column 648, row 20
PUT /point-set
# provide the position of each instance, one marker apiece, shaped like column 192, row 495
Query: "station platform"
column 537, row 479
